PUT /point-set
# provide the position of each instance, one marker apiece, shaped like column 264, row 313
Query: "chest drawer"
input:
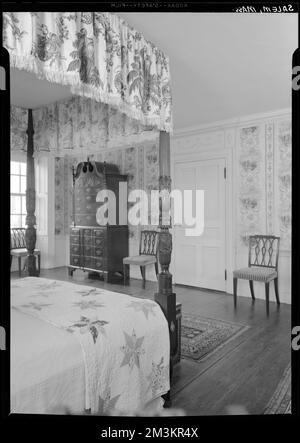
column 87, row 241
column 74, row 239
column 99, row 263
column 99, row 242
column 88, row 262
column 75, row 232
column 75, row 260
column 75, row 249
column 88, row 249
column 87, row 232
column 99, row 252
column 99, row 233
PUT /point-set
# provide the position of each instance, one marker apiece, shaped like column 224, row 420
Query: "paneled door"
column 200, row 260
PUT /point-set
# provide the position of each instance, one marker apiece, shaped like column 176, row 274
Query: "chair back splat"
column 147, row 255
column 17, row 238
column 148, row 243
column 262, row 266
column 18, row 248
column 263, row 251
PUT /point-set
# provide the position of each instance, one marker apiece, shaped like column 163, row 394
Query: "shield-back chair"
column 147, row 255
column 262, row 266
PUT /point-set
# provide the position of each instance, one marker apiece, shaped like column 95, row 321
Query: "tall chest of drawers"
column 96, row 247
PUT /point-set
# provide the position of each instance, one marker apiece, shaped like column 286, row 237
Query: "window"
column 17, row 194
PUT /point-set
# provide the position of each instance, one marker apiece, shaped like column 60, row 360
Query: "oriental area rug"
column 201, row 336
column 280, row 402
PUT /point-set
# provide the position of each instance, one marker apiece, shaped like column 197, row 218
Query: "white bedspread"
column 47, row 368
column 124, row 341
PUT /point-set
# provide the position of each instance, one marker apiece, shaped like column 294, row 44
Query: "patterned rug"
column 201, row 336
column 280, row 402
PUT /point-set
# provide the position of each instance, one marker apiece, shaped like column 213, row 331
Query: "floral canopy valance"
column 76, row 126
column 98, row 55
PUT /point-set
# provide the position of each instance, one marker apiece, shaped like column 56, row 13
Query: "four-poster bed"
column 103, row 59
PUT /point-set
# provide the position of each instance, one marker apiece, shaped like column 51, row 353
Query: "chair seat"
column 22, row 252
column 256, row 274
column 141, row 260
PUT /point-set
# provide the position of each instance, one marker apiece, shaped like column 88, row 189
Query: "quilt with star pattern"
column 124, row 340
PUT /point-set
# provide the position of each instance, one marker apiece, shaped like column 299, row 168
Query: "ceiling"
column 222, row 65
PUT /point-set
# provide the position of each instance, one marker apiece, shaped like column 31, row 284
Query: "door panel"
column 200, row 260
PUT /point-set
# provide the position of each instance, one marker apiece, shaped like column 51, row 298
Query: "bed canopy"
column 115, row 75
column 99, row 56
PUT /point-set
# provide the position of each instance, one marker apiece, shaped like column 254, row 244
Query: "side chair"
column 147, row 255
column 262, row 266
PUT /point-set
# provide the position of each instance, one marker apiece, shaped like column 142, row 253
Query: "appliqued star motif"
column 132, row 350
column 89, row 304
column 44, row 287
column 107, row 403
column 144, row 306
column 36, row 306
column 93, row 326
column 158, row 377
column 47, row 286
column 92, row 291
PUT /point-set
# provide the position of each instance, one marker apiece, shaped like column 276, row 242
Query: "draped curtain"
column 79, row 127
column 98, row 55
column 122, row 97
column 18, row 128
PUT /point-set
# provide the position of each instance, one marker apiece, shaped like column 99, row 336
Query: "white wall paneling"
column 210, row 146
column 206, row 252
column 257, row 153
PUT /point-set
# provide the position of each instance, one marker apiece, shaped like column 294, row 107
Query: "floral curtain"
column 98, row 55
column 18, row 128
column 79, row 126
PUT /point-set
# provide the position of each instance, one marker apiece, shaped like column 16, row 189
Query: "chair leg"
column 235, row 291
column 19, row 263
column 125, row 273
column 276, row 290
column 106, row 276
column 39, row 263
column 251, row 289
column 143, row 272
column 156, row 269
column 267, row 287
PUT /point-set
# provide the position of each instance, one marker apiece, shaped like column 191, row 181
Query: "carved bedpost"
column 165, row 295
column 30, row 234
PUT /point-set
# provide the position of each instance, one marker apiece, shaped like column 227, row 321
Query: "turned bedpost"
column 165, row 295
column 30, row 234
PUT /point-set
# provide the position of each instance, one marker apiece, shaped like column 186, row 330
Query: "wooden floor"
column 239, row 378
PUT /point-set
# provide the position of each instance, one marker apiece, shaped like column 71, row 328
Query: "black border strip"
column 157, row 6
column 295, row 234
column 5, row 240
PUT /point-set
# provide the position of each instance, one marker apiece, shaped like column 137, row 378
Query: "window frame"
column 23, row 212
